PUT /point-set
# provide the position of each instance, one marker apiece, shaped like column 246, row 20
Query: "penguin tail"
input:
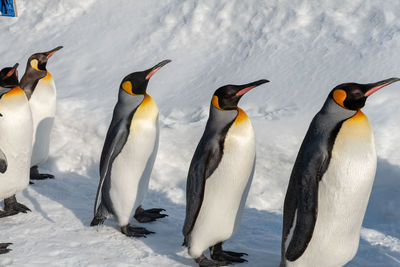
column 99, row 217
column 185, row 242
column 97, row 220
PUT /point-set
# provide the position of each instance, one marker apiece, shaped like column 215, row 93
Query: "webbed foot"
column 218, row 254
column 150, row 215
column 12, row 206
column 35, row 175
column 135, row 231
column 4, row 248
column 203, row 261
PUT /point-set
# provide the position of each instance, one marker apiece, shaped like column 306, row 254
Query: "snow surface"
column 305, row 47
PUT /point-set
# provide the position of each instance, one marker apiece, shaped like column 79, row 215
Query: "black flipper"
column 3, row 162
column 312, row 161
column 115, row 141
column 306, row 205
column 206, row 158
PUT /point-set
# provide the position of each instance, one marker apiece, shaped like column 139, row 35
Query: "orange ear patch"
column 215, row 103
column 339, row 96
column 127, row 86
column 34, row 64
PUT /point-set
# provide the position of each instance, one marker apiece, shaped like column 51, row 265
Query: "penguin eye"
column 356, row 94
column 355, row 99
column 34, row 64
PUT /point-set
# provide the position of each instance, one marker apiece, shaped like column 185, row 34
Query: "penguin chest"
column 343, row 195
column 43, row 106
column 14, row 142
column 226, row 189
column 131, row 169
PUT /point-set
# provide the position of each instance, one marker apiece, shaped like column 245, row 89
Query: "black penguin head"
column 38, row 61
column 227, row 97
column 9, row 77
column 136, row 83
column 353, row 95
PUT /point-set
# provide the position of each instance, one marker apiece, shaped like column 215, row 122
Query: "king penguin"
column 128, row 155
column 219, row 178
column 40, row 89
column 15, row 144
column 331, row 181
column 8, row 80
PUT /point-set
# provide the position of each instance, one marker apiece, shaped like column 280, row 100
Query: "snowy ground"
column 305, row 47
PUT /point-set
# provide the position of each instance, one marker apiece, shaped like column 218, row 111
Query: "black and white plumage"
column 15, row 144
column 40, row 89
column 331, row 181
column 219, row 178
column 128, row 155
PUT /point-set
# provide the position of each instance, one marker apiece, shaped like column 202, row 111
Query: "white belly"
column 43, row 106
column 131, row 169
column 342, row 197
column 225, row 191
column 15, row 141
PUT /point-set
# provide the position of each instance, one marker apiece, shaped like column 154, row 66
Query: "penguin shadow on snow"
column 259, row 234
column 73, row 191
column 382, row 215
column 383, row 209
column 42, row 131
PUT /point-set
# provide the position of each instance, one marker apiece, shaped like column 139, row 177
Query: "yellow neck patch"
column 15, row 91
column 147, row 111
column 215, row 103
column 359, row 117
column 127, row 86
column 356, row 128
column 339, row 96
column 48, row 77
column 241, row 116
column 147, row 100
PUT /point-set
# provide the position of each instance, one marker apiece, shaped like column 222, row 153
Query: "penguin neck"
column 219, row 119
column 335, row 112
column 126, row 104
column 4, row 90
column 29, row 82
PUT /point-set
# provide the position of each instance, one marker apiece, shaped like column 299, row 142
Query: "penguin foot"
column 203, row 261
column 150, row 215
column 42, row 176
column 35, row 175
column 218, row 254
column 228, row 256
column 3, row 248
column 135, row 231
column 11, row 205
column 7, row 213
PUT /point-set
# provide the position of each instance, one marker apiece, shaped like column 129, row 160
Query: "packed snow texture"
column 304, row 47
